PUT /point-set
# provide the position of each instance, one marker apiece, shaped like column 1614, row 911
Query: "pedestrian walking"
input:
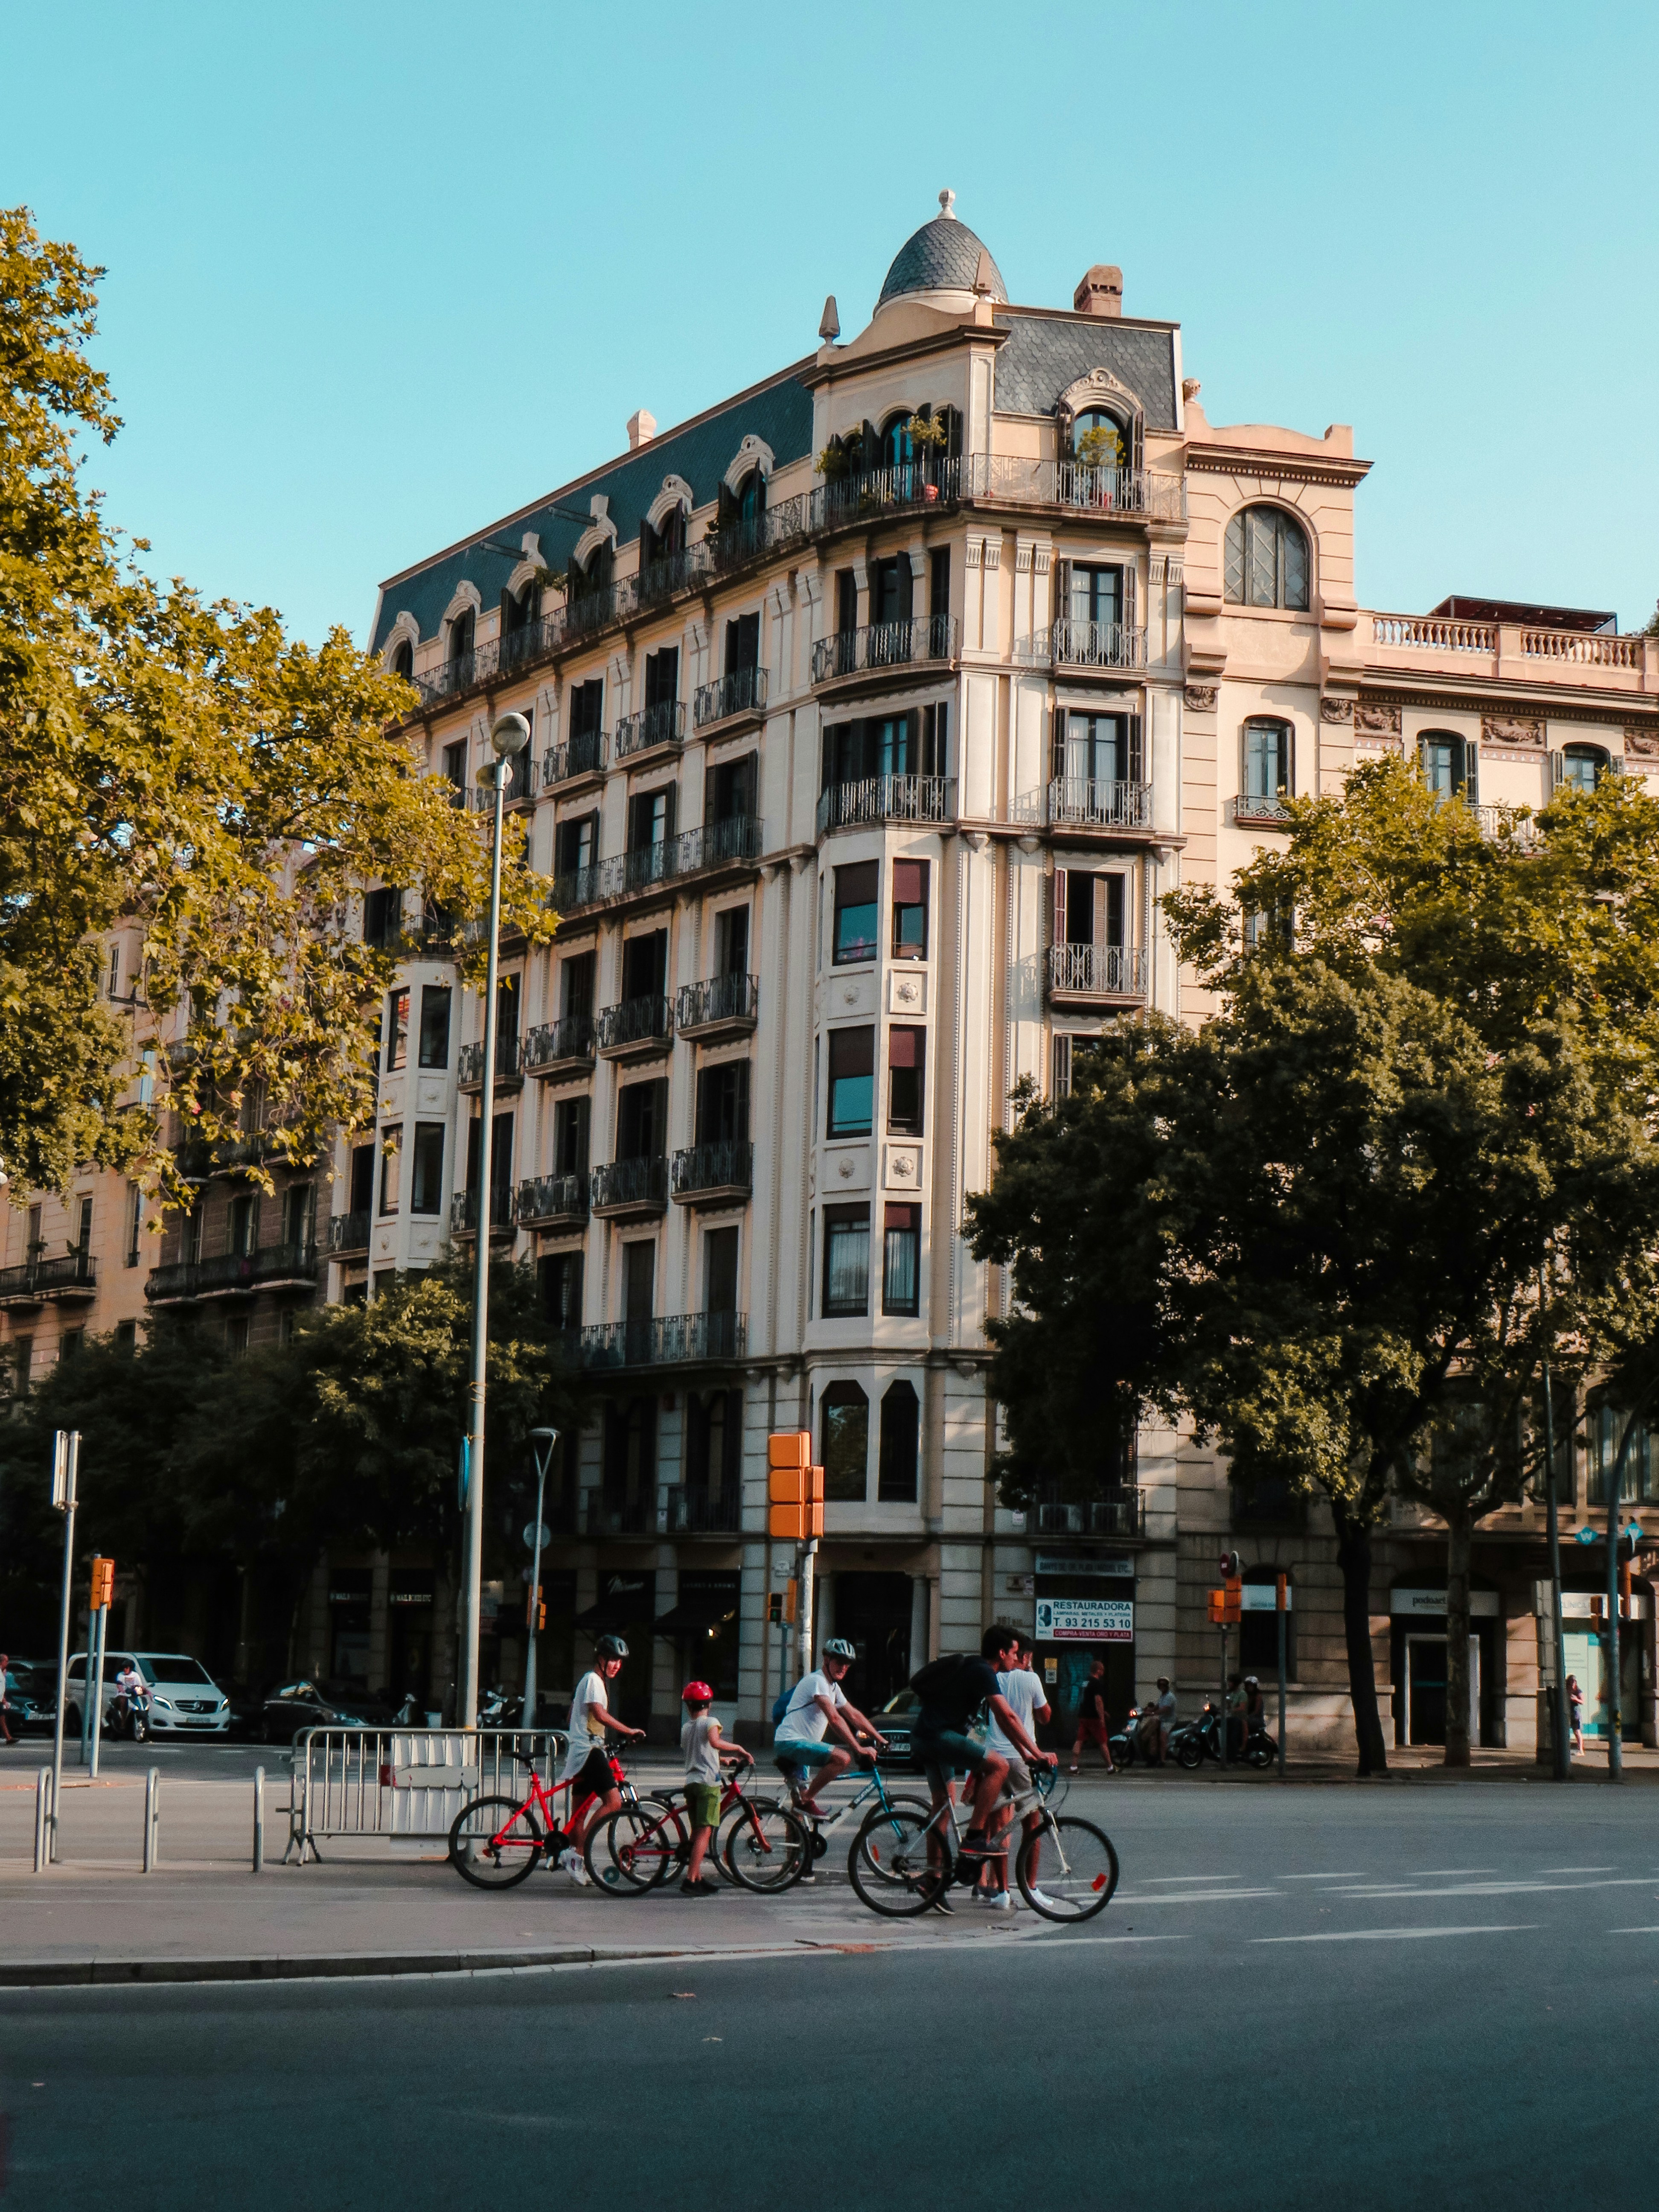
column 1093, row 1721
column 5, row 1701
column 704, row 1747
column 1575, row 1708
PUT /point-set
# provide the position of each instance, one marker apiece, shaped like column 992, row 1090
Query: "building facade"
column 872, row 713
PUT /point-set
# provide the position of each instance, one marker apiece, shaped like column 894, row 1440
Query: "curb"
column 125, row 1973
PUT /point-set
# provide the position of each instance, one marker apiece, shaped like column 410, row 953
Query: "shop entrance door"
column 1425, row 1689
column 872, row 1612
column 1584, row 1651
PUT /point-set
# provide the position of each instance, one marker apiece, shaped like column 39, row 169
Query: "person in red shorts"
column 1093, row 1722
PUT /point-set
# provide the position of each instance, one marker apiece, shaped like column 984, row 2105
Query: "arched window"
column 1100, row 440
column 460, row 635
column 1451, row 764
column 901, row 1424
column 403, row 662
column 844, row 1442
column 1258, row 1628
column 1267, row 563
column 1583, row 767
column 898, row 447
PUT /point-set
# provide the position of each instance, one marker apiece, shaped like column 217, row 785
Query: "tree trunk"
column 1353, row 1552
column 1460, row 1533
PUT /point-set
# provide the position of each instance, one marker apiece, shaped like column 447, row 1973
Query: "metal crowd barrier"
column 405, row 1782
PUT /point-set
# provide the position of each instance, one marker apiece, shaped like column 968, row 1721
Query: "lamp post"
column 542, row 1442
column 509, row 736
column 1610, row 1632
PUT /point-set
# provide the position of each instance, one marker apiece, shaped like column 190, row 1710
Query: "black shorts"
column 593, row 1779
column 943, row 1753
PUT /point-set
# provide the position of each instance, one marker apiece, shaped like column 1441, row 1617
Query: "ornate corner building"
column 873, row 711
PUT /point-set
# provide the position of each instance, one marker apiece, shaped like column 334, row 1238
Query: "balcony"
column 521, row 787
column 876, row 647
column 687, row 1512
column 463, row 1210
column 348, row 1232
column 735, row 843
column 586, row 754
column 576, row 889
column 752, row 537
column 234, row 1274
column 638, row 1028
column 658, row 582
column 936, row 481
column 557, row 1202
column 1097, row 972
column 469, row 1068
column 624, row 1187
column 667, row 1340
column 1593, row 659
column 560, row 1048
column 1082, row 803
column 605, row 1515
column 1261, row 810
column 653, row 729
column 722, row 1005
column 1119, row 1513
column 714, row 1175
column 69, row 1275
column 1096, row 645
column 875, row 798
column 741, row 693
column 1138, row 496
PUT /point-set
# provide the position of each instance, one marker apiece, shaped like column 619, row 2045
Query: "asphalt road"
column 1423, row 1997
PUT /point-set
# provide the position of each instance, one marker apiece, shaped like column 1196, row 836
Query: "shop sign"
column 1085, row 1620
column 1263, row 1597
column 1054, row 1563
column 1482, row 1603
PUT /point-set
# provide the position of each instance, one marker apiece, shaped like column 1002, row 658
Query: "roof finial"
column 947, row 204
column 829, row 328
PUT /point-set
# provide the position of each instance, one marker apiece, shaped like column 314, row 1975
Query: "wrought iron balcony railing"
column 1081, row 802
column 567, row 1043
column 703, row 1169
column 932, row 482
column 583, row 755
column 469, row 1067
column 742, row 692
column 577, row 888
column 689, row 1512
column 229, row 1274
column 1153, row 495
column 661, row 725
column 1096, row 645
column 737, row 841
column 65, row 1274
column 622, row 1184
column 348, row 1232
column 675, row 572
column 463, row 1209
column 551, row 1199
column 1266, row 806
column 718, row 1000
column 1099, row 971
column 738, row 838
column 885, row 644
column 666, row 1340
column 751, row 538
column 1119, row 1512
column 642, row 1021
column 887, row 798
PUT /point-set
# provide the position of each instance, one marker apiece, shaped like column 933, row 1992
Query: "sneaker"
column 999, row 1901
column 1044, row 1904
column 576, row 1869
column 698, row 1889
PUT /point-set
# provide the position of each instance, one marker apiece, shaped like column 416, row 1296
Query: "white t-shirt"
column 1024, row 1693
column 587, row 1729
column 702, row 1761
column 804, row 1720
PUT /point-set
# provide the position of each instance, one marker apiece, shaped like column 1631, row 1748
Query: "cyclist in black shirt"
column 953, row 1693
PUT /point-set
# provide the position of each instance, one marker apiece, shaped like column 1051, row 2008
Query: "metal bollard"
column 42, row 1800
column 152, row 1818
column 258, row 1819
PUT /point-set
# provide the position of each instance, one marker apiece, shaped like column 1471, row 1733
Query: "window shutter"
column 1128, row 575
column 1059, row 767
column 1287, row 763
column 709, row 800
column 1557, row 774
column 1103, row 905
column 1057, row 913
column 746, row 798
column 1471, row 772
column 1615, row 765
column 1137, row 752
column 670, row 794
column 1062, row 591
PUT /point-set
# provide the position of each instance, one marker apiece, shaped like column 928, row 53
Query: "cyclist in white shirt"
column 1023, row 1691
column 818, row 1704
column 586, row 1763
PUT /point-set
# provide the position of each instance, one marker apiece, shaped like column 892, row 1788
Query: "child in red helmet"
column 705, row 1747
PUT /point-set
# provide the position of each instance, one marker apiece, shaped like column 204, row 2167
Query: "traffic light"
column 775, row 1608
column 1227, row 1604
column 790, row 1598
column 794, row 1487
column 103, row 1583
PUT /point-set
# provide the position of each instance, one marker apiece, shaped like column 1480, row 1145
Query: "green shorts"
column 702, row 1804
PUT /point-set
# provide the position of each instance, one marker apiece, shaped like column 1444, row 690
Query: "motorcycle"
column 1128, row 1744
column 129, row 1717
column 1201, row 1739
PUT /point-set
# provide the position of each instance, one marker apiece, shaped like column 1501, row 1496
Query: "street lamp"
column 509, row 736
column 542, row 1442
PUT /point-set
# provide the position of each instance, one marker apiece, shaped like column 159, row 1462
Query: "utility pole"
column 65, row 1468
column 1560, row 1728
column 1282, row 1596
column 542, row 1442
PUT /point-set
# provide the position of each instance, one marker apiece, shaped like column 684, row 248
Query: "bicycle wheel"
column 495, row 1842
column 634, row 1848
column 1067, row 1869
column 762, row 1844
column 888, row 1865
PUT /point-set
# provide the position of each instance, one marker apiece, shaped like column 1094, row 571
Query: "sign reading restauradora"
column 1085, row 1620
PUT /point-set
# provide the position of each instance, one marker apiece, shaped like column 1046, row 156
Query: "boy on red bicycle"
column 704, row 1747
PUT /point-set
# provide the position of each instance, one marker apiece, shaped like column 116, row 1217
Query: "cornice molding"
column 1273, row 468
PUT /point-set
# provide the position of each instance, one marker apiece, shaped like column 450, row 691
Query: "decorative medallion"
column 1201, row 697
column 1336, row 710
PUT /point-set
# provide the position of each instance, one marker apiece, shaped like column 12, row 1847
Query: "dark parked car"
column 896, row 1720
column 292, row 1707
column 31, row 1696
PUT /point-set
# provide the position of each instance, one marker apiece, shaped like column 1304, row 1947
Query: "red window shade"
column 910, row 882
column 904, row 1047
column 903, row 1217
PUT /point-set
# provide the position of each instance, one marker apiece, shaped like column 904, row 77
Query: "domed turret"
column 943, row 264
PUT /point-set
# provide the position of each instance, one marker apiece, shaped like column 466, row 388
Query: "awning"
column 700, row 1610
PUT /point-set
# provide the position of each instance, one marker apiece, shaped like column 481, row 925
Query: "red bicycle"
column 495, row 1843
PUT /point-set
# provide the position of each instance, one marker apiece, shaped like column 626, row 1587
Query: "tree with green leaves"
column 181, row 769
column 1314, row 1227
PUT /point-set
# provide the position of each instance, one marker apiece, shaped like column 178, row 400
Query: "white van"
column 184, row 1697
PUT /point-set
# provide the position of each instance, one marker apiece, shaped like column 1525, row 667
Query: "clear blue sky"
column 378, row 274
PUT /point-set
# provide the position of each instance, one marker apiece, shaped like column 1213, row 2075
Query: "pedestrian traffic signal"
column 1227, row 1605
column 103, row 1583
column 775, row 1608
column 789, row 1448
column 795, row 1495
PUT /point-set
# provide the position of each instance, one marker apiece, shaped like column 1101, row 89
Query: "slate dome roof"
column 942, row 255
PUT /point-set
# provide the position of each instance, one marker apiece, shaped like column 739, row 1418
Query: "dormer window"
column 403, row 662
column 460, row 636
column 1099, row 441
column 1266, row 560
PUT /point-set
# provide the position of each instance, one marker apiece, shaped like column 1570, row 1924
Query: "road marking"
column 1425, row 1873
column 1578, row 1870
column 1393, row 1934
column 1194, row 1897
column 1354, row 1874
column 1505, row 1888
column 1633, row 1932
column 1194, row 1877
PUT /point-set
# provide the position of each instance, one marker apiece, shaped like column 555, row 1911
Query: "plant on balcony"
column 834, row 462
column 1100, row 448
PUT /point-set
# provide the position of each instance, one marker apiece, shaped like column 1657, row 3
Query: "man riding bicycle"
column 818, row 1704
column 586, row 1762
column 953, row 1692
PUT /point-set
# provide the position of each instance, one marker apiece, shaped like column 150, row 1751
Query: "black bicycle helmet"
column 610, row 1647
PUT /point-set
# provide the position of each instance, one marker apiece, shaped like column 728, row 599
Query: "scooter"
column 129, row 1717
column 1128, row 1744
column 1195, row 1741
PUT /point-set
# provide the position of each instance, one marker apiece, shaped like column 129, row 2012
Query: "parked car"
column 294, row 1707
column 184, row 1700
column 896, row 1720
column 31, row 1696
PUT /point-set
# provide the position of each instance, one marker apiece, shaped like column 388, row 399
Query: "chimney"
column 1100, row 293
column 641, row 430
